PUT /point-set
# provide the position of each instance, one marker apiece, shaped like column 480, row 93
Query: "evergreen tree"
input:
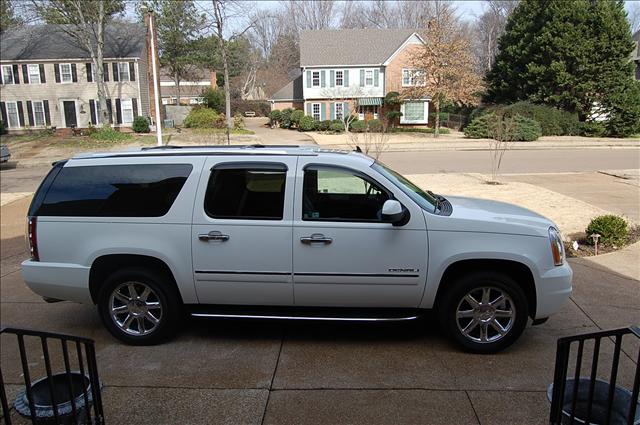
column 571, row 55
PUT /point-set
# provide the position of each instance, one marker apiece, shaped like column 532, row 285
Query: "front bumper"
column 553, row 289
column 60, row 281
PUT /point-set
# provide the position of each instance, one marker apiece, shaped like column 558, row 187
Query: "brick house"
column 191, row 88
column 347, row 68
column 48, row 81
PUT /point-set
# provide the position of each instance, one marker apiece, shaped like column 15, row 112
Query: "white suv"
column 285, row 233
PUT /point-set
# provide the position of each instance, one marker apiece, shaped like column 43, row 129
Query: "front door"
column 344, row 255
column 70, row 120
column 242, row 229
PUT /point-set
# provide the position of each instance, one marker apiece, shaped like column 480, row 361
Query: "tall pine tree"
column 570, row 54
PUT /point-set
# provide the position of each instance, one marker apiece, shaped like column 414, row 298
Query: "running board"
column 317, row 318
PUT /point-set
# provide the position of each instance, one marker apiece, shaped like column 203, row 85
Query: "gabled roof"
column 350, row 46
column 121, row 40
column 292, row 91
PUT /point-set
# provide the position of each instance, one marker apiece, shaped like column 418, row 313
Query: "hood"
column 482, row 215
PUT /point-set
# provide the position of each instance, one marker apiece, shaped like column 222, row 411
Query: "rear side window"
column 144, row 190
column 246, row 193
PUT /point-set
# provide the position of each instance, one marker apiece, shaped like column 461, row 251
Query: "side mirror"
column 393, row 212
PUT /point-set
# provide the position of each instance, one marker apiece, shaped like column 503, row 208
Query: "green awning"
column 366, row 101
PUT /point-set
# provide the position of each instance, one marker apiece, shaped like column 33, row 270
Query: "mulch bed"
column 587, row 249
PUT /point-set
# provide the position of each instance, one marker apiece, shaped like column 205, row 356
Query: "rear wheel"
column 484, row 312
column 139, row 306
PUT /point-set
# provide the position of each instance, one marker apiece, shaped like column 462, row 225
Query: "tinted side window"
column 144, row 190
column 340, row 195
column 246, row 193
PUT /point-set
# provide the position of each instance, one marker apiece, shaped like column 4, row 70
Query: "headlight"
column 557, row 248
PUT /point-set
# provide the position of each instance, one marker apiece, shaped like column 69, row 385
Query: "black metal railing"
column 77, row 354
column 580, row 394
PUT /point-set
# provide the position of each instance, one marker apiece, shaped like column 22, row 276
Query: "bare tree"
column 385, row 14
column 633, row 15
column 370, row 142
column 348, row 96
column 489, row 27
column 85, row 22
column 502, row 131
column 446, row 61
column 310, row 14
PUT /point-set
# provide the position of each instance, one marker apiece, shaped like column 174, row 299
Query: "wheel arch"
column 518, row 271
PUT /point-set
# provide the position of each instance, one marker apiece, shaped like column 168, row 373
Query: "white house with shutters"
column 344, row 68
column 48, row 81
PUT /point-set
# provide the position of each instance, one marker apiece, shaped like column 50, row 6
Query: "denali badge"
column 404, row 270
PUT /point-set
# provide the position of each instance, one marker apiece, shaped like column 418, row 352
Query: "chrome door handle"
column 213, row 236
column 316, row 238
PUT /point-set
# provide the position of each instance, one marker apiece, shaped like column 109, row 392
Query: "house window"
column 126, row 107
column 315, row 109
column 34, row 74
column 315, row 79
column 123, row 71
column 339, row 78
column 414, row 113
column 368, row 77
column 38, row 112
column 339, row 111
column 412, row 77
column 65, row 73
column 7, row 74
column 12, row 115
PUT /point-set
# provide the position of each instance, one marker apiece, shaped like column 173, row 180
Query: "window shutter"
column 47, row 115
column 20, row 113
column 105, row 71
column 346, row 77
column 30, row 112
column 110, row 110
column 332, row 78
column 323, row 112
column 116, row 74
column 376, row 77
column 132, row 72
column 74, row 73
column 134, row 103
column 43, row 78
column 3, row 114
column 89, row 73
column 322, row 78
column 92, row 111
column 56, row 69
column 309, row 110
column 333, row 111
column 345, row 109
column 118, row 112
column 362, row 78
column 16, row 76
column 308, row 79
column 25, row 73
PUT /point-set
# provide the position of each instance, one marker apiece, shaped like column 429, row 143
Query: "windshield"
column 422, row 198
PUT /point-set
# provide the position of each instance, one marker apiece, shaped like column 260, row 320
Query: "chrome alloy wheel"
column 485, row 314
column 135, row 308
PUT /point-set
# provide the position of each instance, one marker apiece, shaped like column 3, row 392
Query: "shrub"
column 295, row 117
column 140, row 125
column 612, row 229
column 478, row 128
column 323, row 125
column 214, row 99
column 202, row 117
column 526, row 129
column 358, row 126
column 238, row 122
column 307, row 123
column 275, row 116
column 285, row 118
column 337, row 127
column 108, row 134
column 592, row 129
column 393, row 117
column 375, row 125
column 553, row 121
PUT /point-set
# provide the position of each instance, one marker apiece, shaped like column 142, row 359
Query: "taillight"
column 32, row 237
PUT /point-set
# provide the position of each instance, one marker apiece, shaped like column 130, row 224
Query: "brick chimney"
column 152, row 106
column 214, row 80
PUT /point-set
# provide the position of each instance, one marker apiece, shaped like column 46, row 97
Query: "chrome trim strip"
column 340, row 319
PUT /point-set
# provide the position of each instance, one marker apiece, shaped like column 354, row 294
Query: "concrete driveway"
column 236, row 372
column 277, row 136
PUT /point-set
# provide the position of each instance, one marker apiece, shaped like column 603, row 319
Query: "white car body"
column 369, row 265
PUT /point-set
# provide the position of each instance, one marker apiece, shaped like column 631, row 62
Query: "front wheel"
column 484, row 312
column 139, row 306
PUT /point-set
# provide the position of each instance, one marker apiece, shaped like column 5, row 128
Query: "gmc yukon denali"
column 285, row 233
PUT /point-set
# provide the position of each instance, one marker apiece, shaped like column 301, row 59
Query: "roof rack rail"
column 256, row 145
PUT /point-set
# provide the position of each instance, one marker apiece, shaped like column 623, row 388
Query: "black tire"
column 163, row 292
column 485, row 318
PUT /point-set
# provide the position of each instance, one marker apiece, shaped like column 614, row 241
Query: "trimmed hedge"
column 307, row 123
column 296, row 115
column 612, row 229
column 203, row 117
column 140, row 125
column 358, row 126
column 489, row 126
column 285, row 118
column 478, row 128
column 553, row 122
